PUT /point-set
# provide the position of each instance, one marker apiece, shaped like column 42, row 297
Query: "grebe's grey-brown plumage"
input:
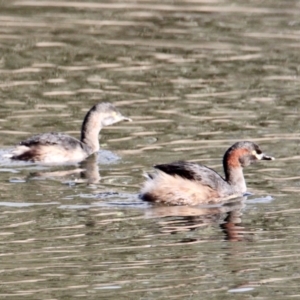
column 186, row 183
column 52, row 148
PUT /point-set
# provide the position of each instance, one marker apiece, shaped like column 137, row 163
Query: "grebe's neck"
column 90, row 130
column 234, row 171
column 235, row 177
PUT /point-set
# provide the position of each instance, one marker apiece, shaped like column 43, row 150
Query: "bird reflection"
column 184, row 218
column 87, row 171
column 232, row 231
column 90, row 169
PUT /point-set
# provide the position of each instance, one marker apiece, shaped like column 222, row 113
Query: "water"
column 195, row 76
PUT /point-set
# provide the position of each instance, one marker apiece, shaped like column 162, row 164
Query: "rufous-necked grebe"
column 187, row 183
column 60, row 148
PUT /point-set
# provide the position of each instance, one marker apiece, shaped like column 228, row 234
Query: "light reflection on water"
column 195, row 76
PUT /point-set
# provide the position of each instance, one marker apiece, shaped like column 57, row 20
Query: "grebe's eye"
column 258, row 154
column 258, row 151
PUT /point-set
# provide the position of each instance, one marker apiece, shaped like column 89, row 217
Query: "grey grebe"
column 186, row 183
column 58, row 148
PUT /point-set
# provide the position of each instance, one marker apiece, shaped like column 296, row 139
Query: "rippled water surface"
column 195, row 76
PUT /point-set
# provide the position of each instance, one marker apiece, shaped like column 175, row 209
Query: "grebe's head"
column 242, row 154
column 108, row 114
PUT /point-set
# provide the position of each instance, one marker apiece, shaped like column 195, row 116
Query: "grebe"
column 187, row 183
column 58, row 148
